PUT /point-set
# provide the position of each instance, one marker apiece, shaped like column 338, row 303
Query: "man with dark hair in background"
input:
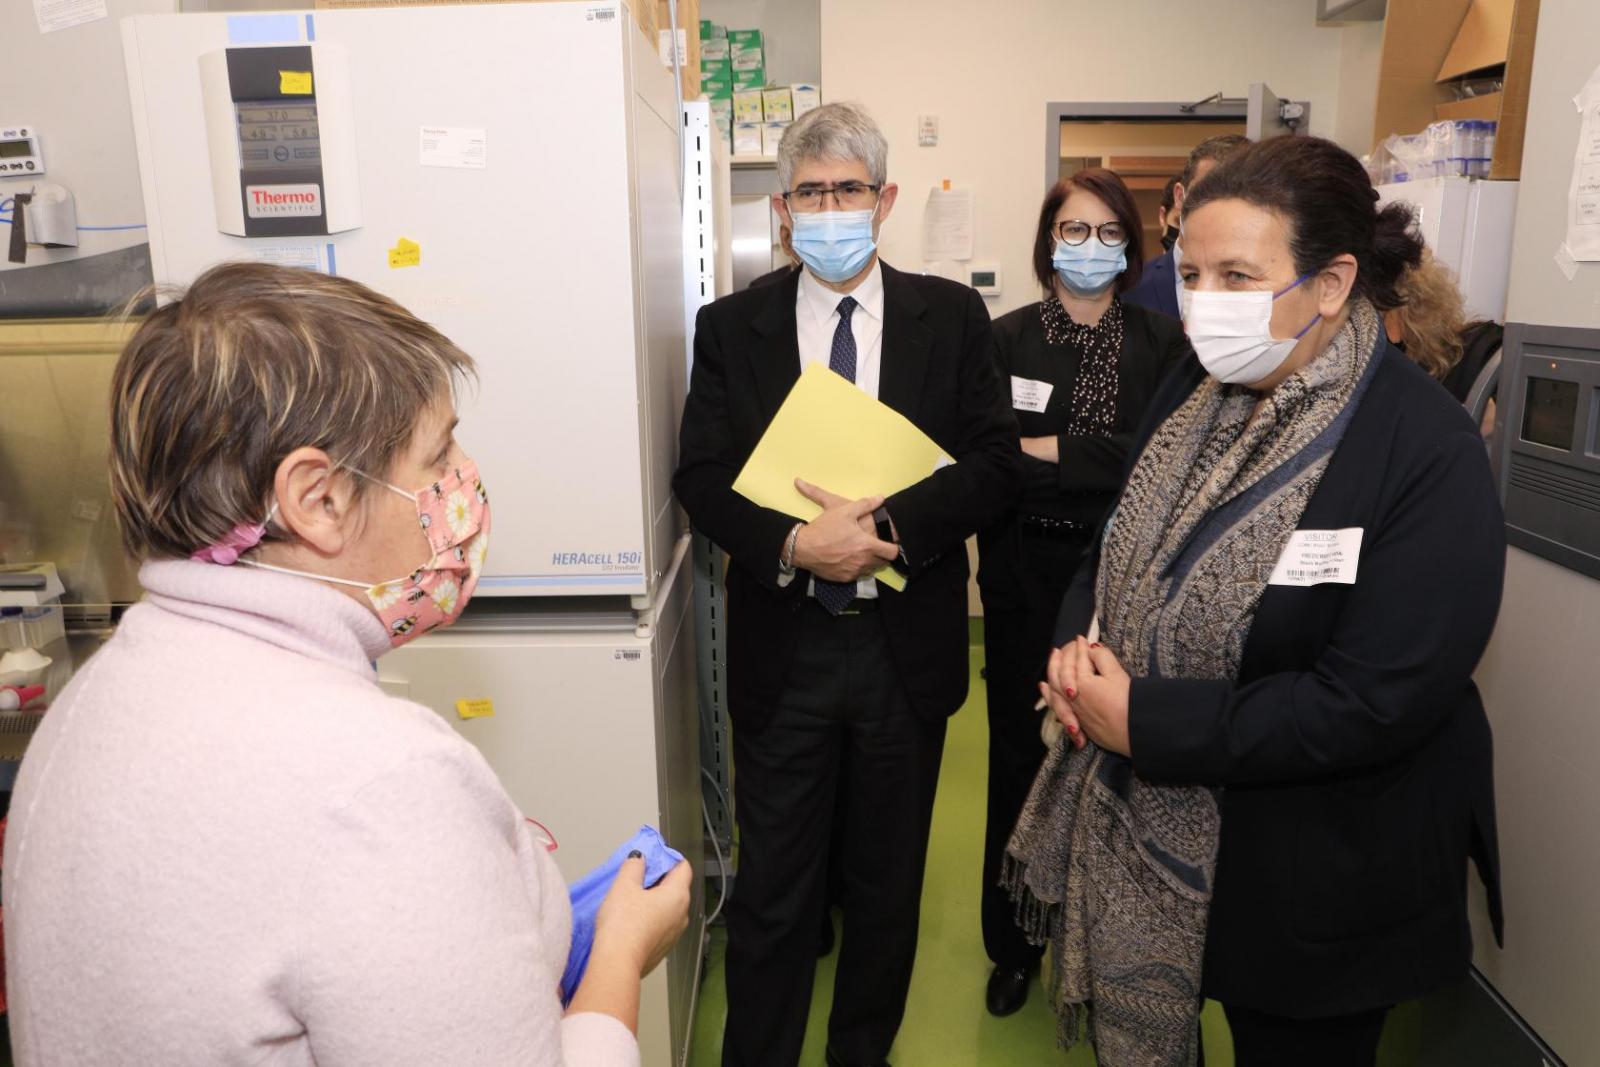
column 1158, row 285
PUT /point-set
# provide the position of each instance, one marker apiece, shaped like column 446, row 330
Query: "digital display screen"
column 15, row 149
column 1550, row 413
column 275, row 134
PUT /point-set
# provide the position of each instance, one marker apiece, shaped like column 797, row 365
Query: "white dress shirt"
column 816, row 317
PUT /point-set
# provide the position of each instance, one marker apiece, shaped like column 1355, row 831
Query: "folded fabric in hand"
column 588, row 892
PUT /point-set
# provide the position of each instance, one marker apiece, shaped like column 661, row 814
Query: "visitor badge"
column 1313, row 557
column 1030, row 395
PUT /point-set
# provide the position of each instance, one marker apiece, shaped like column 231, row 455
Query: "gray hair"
column 838, row 132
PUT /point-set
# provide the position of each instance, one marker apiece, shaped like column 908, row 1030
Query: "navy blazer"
column 1353, row 752
column 937, row 371
column 1158, row 287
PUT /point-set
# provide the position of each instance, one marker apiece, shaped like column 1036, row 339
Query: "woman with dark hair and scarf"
column 1083, row 366
column 1276, row 764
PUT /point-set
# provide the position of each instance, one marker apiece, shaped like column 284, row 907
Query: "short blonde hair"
column 252, row 362
column 1432, row 316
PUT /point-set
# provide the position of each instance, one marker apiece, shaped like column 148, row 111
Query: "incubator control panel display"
column 1550, row 412
column 19, row 152
column 282, row 140
column 278, row 135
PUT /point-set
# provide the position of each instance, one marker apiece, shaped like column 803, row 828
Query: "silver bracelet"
column 786, row 560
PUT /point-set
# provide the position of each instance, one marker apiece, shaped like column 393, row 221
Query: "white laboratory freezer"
column 508, row 173
column 1468, row 223
column 590, row 719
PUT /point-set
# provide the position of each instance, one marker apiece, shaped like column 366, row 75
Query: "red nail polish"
column 1095, row 645
column 1072, row 694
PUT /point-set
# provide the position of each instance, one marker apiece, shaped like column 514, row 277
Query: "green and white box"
column 716, row 48
column 749, row 79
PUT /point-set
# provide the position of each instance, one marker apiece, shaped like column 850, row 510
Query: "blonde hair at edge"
column 252, row 362
column 1432, row 317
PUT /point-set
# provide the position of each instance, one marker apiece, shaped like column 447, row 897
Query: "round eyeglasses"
column 1076, row 231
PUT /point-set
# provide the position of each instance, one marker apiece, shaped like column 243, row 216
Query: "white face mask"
column 1232, row 332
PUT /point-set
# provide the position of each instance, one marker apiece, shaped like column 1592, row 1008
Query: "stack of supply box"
column 716, row 76
column 747, row 56
column 749, row 111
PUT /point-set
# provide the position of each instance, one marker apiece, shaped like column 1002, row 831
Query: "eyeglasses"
column 1076, row 231
column 847, row 196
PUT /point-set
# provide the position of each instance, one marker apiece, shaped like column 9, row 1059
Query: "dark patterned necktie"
column 836, row 596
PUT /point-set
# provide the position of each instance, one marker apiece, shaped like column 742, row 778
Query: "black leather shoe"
column 825, row 935
column 1008, row 990
column 835, row 1061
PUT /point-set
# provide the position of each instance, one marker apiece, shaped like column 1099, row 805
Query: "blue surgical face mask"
column 1088, row 269
column 834, row 244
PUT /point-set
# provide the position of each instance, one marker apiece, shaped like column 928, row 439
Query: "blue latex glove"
column 588, row 891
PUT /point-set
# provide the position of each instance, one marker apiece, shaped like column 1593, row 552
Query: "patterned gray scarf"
column 1114, row 872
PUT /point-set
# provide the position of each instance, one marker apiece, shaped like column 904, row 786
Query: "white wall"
column 988, row 70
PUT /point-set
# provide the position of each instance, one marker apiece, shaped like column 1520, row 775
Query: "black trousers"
column 843, row 729
column 1262, row 1040
column 1023, row 591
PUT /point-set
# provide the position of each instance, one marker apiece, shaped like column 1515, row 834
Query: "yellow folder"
column 833, row 435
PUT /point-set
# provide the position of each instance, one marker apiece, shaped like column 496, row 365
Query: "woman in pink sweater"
column 227, row 845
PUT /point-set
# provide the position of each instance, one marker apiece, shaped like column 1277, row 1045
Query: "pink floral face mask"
column 454, row 515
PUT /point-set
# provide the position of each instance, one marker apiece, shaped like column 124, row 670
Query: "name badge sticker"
column 1030, row 395
column 1316, row 557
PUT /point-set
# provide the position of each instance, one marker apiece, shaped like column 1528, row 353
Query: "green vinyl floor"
column 946, row 1023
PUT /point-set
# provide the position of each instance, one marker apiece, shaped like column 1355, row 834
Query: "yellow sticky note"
column 405, row 254
column 834, row 436
column 294, row 82
column 475, row 709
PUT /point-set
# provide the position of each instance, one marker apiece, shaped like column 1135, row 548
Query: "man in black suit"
column 1159, row 284
column 823, row 661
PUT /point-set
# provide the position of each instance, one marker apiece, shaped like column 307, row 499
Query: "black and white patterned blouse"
column 1093, row 409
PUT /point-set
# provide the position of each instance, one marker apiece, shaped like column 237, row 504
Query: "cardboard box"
column 806, row 98
column 715, row 68
column 1479, row 107
column 777, row 105
column 748, row 106
column 747, row 138
column 716, row 48
column 1483, row 40
column 749, row 79
column 771, row 134
column 712, row 31
column 722, row 114
column 717, row 89
column 749, row 59
column 745, row 39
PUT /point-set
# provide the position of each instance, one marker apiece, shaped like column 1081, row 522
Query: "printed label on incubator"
column 1313, row 557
